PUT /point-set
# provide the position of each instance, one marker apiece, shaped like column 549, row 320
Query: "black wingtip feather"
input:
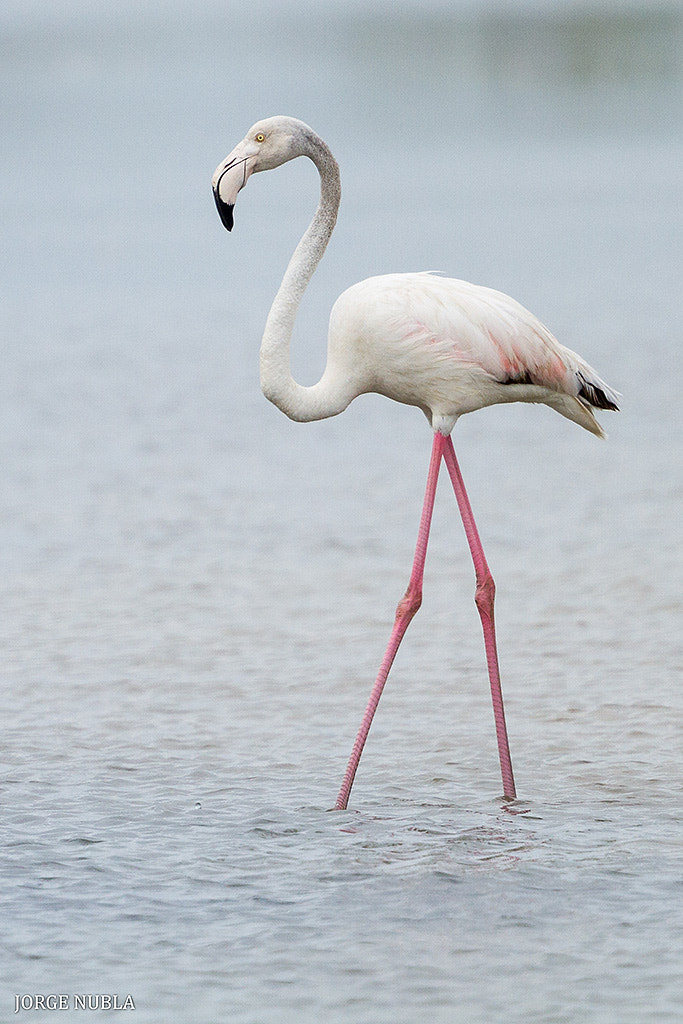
column 595, row 396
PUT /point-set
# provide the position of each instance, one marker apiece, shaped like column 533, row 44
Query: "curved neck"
column 277, row 383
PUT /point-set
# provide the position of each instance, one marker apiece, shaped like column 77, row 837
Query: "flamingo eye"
column 260, row 137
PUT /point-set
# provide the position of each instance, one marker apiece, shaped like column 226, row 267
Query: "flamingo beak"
column 229, row 178
column 224, row 211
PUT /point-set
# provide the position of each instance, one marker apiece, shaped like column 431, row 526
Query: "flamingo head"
column 266, row 145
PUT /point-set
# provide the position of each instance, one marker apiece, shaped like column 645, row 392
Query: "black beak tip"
column 225, row 212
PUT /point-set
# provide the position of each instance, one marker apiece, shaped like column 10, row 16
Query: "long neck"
column 277, row 383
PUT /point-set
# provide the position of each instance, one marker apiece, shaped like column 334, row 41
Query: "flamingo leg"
column 407, row 607
column 484, row 598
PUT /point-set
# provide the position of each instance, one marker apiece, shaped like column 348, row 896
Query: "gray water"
column 196, row 593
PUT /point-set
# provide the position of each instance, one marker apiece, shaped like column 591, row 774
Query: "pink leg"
column 484, row 597
column 407, row 608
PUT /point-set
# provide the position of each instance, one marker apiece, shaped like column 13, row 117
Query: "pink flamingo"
column 443, row 345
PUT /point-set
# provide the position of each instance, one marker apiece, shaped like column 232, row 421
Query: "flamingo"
column 443, row 345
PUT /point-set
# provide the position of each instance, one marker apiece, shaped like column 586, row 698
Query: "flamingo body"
column 450, row 347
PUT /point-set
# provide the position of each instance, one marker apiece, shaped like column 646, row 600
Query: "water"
column 196, row 592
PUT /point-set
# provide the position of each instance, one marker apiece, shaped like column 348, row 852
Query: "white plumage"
column 450, row 347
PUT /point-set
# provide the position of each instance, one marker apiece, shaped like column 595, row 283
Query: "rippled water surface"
column 196, row 593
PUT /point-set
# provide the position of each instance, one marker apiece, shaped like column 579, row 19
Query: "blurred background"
column 534, row 147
